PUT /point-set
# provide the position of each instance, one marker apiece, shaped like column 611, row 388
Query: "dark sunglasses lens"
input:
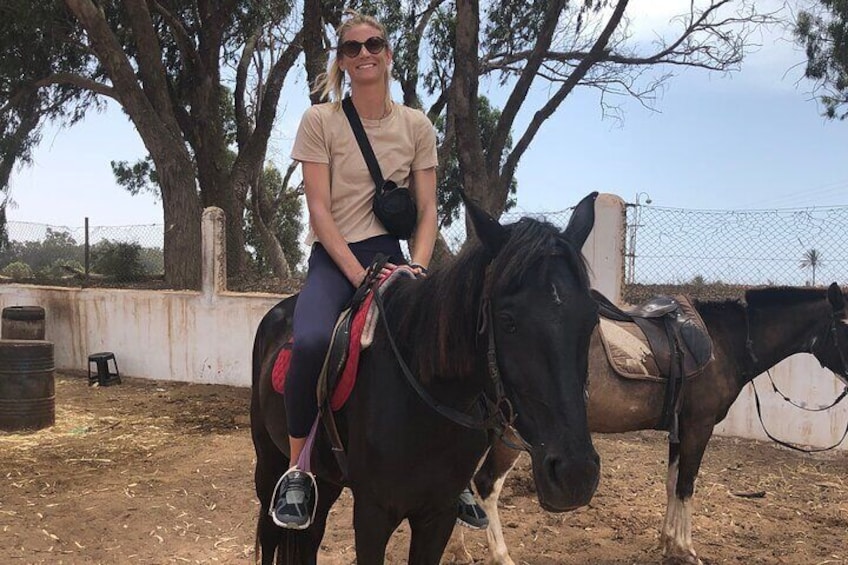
column 351, row 48
column 375, row 44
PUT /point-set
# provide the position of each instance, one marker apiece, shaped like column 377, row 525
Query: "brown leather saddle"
column 678, row 338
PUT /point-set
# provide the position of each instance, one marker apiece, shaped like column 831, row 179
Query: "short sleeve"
column 425, row 144
column 310, row 144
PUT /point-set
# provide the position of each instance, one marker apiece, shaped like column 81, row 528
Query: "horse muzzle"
column 565, row 483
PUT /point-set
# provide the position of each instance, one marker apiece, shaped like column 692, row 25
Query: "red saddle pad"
column 348, row 376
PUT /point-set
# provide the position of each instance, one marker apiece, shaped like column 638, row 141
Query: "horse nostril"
column 553, row 467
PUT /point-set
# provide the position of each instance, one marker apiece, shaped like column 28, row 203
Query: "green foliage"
column 118, row 259
column 62, row 268
column 448, row 198
column 38, row 40
column 824, row 35
column 18, row 270
column 285, row 222
column 138, row 177
column 42, row 255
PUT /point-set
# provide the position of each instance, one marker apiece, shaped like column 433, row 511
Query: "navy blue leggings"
column 324, row 295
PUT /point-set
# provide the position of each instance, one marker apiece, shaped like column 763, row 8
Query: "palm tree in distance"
column 812, row 260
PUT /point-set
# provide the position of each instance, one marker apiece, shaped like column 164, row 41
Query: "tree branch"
column 522, row 85
column 183, row 39
column 242, row 120
column 78, row 81
column 150, row 67
column 595, row 54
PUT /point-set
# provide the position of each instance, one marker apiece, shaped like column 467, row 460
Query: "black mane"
column 436, row 318
column 772, row 296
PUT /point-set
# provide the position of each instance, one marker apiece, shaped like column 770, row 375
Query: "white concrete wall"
column 802, row 379
column 204, row 337
column 170, row 335
column 207, row 336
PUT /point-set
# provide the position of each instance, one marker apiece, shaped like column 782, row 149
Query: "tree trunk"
column 181, row 208
column 273, row 251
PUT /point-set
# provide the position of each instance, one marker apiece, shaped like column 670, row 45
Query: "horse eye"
column 507, row 323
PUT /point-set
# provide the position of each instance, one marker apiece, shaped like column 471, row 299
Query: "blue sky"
column 750, row 140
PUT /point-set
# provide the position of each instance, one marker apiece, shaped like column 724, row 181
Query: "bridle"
column 500, row 414
column 832, row 330
column 836, row 318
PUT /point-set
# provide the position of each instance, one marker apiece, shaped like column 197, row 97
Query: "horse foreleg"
column 489, row 482
column 684, row 461
column 270, row 464
column 430, row 534
column 372, row 527
column 498, row 551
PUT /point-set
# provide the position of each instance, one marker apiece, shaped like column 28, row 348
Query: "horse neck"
column 726, row 325
column 418, row 317
column 782, row 330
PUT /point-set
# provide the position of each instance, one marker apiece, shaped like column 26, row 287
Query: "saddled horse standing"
column 509, row 318
column 748, row 339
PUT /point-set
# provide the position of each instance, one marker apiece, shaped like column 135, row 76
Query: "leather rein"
column 500, row 412
column 833, row 331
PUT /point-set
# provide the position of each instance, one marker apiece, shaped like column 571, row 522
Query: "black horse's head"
column 538, row 317
column 830, row 347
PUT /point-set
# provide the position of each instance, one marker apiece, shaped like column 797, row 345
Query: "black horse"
column 511, row 313
column 748, row 338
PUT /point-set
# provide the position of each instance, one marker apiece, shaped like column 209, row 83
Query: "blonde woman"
column 344, row 233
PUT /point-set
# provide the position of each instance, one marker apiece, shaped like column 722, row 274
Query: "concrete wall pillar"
column 604, row 250
column 214, row 250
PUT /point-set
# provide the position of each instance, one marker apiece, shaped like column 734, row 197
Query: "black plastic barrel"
column 23, row 322
column 27, row 385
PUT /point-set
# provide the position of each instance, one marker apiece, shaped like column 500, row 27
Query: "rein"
column 496, row 420
column 749, row 345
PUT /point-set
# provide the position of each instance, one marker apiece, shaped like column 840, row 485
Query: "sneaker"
column 470, row 514
column 294, row 500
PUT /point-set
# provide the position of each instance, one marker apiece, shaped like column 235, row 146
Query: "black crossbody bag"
column 393, row 205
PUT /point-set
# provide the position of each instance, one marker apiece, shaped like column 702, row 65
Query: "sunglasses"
column 351, row 48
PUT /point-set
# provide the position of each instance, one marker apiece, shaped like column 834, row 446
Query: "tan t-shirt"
column 404, row 141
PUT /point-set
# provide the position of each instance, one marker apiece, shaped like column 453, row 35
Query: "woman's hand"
column 419, row 270
column 360, row 277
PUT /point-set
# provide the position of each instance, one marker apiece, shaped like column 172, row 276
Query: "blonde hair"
column 330, row 84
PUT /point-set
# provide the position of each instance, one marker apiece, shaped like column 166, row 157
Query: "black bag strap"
column 362, row 140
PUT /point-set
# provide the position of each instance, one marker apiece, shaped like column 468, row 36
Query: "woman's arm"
column 424, row 239
column 316, row 180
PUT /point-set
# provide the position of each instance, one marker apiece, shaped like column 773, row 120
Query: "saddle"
column 678, row 339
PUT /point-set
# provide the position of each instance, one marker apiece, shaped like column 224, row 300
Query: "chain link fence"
column 794, row 247
column 46, row 253
column 663, row 246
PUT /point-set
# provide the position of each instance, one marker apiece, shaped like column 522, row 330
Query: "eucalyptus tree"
column 561, row 46
column 823, row 30
column 167, row 63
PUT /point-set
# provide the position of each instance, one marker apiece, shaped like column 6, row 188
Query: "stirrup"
column 275, row 493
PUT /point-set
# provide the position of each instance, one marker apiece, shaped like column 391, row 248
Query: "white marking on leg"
column 557, row 299
column 498, row 551
column 677, row 529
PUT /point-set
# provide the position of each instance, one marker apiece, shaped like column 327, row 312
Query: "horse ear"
column 582, row 221
column 492, row 235
column 836, row 298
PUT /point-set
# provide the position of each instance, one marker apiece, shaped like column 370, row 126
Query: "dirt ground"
column 157, row 472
